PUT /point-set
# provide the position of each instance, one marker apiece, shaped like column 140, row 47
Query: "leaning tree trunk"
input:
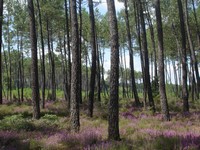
column 93, row 69
column 74, row 110
column 183, row 59
column 162, row 89
column 113, row 116
column 1, row 22
column 34, row 73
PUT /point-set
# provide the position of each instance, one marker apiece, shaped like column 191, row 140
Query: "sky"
column 137, row 63
column 103, row 6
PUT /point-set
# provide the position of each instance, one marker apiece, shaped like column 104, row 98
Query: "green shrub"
column 50, row 117
column 166, row 143
column 16, row 122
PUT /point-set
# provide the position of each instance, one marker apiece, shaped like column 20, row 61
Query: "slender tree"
column 93, row 69
column 162, row 89
column 113, row 118
column 145, row 57
column 34, row 73
column 43, row 55
column 130, row 47
column 1, row 22
column 68, row 50
column 80, row 50
column 191, row 44
column 183, row 58
column 74, row 113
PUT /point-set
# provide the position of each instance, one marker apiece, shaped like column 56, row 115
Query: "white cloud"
column 103, row 6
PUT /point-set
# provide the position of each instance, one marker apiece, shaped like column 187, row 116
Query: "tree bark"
column 74, row 113
column 192, row 50
column 43, row 55
column 93, row 69
column 1, row 24
column 69, row 52
column 162, row 89
column 113, row 116
column 183, row 59
column 35, row 83
column 80, row 51
column 146, row 58
column 128, row 31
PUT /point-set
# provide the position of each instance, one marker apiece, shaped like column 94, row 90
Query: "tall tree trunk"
column 7, row 72
column 9, row 59
column 113, row 116
column 175, row 77
column 134, row 88
column 146, row 58
column 126, row 74
column 98, row 73
column 69, row 51
column 19, row 67
column 66, row 87
column 22, row 69
column 1, row 22
column 93, row 69
column 162, row 89
column 122, row 75
column 102, row 73
column 43, row 56
column 137, row 20
column 74, row 113
column 192, row 49
column 53, row 75
column 80, row 51
column 154, row 46
column 196, row 22
column 183, row 59
column 63, row 58
column 35, row 83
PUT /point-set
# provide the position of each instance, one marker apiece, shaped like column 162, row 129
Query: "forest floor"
column 139, row 128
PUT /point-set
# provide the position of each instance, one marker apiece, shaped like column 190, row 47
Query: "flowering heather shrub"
column 186, row 140
column 8, row 139
column 190, row 140
column 105, row 145
column 129, row 115
column 84, row 138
